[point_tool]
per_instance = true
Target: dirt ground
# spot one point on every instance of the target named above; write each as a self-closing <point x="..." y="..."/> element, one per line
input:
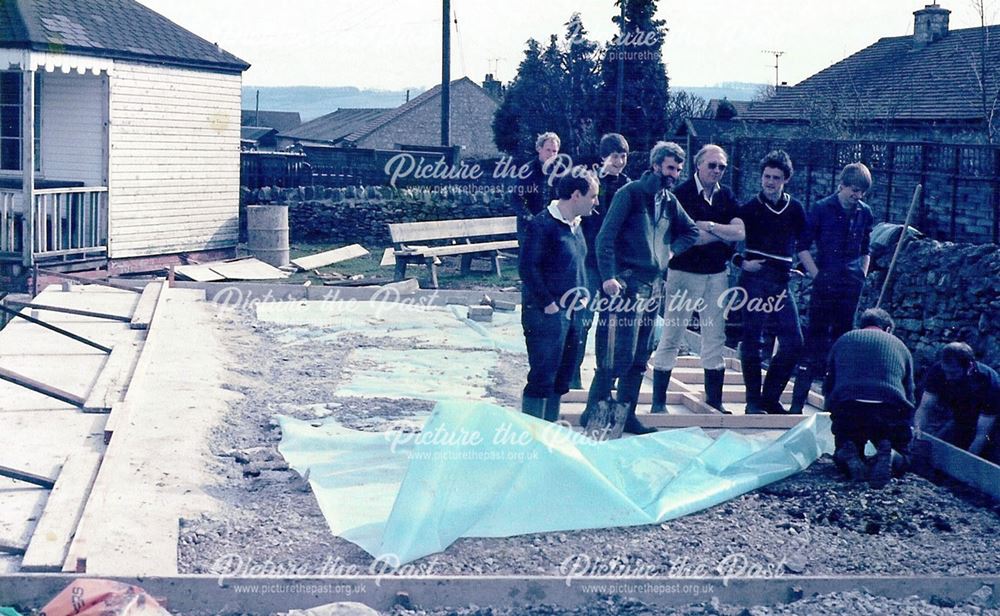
<point x="810" y="524"/>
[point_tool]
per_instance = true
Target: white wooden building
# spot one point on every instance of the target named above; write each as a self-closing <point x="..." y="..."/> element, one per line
<point x="136" y="130"/>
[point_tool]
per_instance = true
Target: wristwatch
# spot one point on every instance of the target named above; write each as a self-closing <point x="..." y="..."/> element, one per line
<point x="711" y="225"/>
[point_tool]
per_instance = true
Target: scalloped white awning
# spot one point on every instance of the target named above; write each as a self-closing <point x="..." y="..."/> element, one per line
<point x="24" y="59"/>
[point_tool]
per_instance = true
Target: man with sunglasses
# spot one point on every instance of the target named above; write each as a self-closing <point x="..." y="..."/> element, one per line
<point x="840" y="226"/>
<point x="697" y="278"/>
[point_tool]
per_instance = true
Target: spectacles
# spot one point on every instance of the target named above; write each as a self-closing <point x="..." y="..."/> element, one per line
<point x="720" y="166"/>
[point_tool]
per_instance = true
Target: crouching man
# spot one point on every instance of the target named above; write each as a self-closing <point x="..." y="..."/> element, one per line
<point x="869" y="394"/>
<point x="552" y="270"/>
<point x="961" y="401"/>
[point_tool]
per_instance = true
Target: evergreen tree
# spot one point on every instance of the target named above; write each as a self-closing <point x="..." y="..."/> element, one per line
<point x="555" y="90"/>
<point x="644" y="96"/>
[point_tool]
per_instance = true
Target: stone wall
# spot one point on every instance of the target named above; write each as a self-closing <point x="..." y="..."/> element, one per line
<point x="944" y="292"/>
<point x="362" y="214"/>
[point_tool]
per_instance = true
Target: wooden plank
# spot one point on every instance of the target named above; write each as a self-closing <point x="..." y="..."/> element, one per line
<point x="247" y="269"/>
<point x="57" y="525"/>
<point x="388" y="257"/>
<point x="329" y="257"/>
<point x="713" y="420"/>
<point x="16" y="550"/>
<point x="42" y="388"/>
<point x="461" y="249"/>
<point x="73" y="311"/>
<point x="198" y="273"/>
<point x="27" y="477"/>
<point x="963" y="466"/>
<point x="117" y="417"/>
<point x="143" y="313"/>
<point x="645" y="397"/>
<point x="113" y="380"/>
<point x="448" y="229"/>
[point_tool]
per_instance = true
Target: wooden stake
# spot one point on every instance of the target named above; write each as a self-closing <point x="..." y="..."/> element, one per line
<point x="37" y="480"/>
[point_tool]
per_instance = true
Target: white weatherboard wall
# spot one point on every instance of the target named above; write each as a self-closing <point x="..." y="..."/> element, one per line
<point x="73" y="127"/>
<point x="175" y="160"/>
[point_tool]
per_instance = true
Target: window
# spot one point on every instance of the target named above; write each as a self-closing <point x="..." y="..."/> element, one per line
<point x="10" y="121"/>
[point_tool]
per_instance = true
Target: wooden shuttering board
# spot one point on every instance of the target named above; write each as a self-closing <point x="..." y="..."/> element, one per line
<point x="143" y="313"/>
<point x="447" y="229"/>
<point x="57" y="525"/>
<point x="461" y="249"/>
<point x="113" y="380"/>
<point x="239" y="269"/>
<point x="963" y="466"/>
<point x="329" y="257"/>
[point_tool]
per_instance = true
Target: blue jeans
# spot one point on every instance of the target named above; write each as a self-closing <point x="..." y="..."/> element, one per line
<point x="552" y="341"/>
<point x="763" y="288"/>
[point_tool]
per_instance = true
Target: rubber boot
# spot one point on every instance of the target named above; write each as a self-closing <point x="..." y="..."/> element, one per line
<point x="752" y="381"/>
<point x="774" y="384"/>
<point x="661" y="380"/>
<point x="714" y="380"/>
<point x="800" y="393"/>
<point x="552" y="404"/>
<point x="628" y="393"/>
<point x="882" y="469"/>
<point x="533" y="406"/>
<point x="849" y="461"/>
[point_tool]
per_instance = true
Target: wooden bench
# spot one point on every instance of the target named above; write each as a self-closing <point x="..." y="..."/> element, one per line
<point x="469" y="238"/>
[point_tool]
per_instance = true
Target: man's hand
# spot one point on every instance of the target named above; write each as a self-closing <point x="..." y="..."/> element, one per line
<point x="551" y="308"/>
<point x="611" y="286"/>
<point x="753" y="265"/>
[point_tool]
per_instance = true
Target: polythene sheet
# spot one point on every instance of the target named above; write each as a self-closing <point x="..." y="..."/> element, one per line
<point x="480" y="470"/>
<point x="418" y="324"/>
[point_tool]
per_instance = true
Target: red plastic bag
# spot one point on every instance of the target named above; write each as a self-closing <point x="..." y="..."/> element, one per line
<point x="96" y="597"/>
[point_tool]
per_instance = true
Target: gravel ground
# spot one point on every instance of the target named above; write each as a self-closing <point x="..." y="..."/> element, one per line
<point x="809" y="524"/>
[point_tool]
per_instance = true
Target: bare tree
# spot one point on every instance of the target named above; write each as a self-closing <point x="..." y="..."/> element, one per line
<point x="987" y="77"/>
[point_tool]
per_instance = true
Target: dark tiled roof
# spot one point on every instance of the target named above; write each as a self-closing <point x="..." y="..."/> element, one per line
<point x="254" y="133"/>
<point x="281" y="120"/>
<point x="740" y="106"/>
<point x="392" y="114"/>
<point x="121" y="29"/>
<point x="892" y="80"/>
<point x="705" y="128"/>
<point x="335" y="126"/>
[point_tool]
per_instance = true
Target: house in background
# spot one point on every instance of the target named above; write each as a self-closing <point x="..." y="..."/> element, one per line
<point x="278" y="120"/>
<point x="132" y="126"/>
<point x="906" y="86"/>
<point x="416" y="123"/>
<point x="330" y="129"/>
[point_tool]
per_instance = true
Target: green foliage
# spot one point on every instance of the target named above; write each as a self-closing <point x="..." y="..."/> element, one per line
<point x="570" y="87"/>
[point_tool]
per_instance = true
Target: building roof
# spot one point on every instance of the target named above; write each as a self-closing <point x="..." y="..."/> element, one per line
<point x="392" y="114"/>
<point x="705" y="128"/>
<point x="281" y="120"/>
<point x="741" y="107"/>
<point x="335" y="126"/>
<point x="120" y="29"/>
<point x="254" y="133"/>
<point x="894" y="80"/>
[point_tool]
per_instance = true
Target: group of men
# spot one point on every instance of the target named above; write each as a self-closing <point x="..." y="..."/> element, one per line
<point x="648" y="247"/>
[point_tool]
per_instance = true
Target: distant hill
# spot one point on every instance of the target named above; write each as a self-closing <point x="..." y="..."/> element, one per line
<point x="312" y="102"/>
<point x="733" y="90"/>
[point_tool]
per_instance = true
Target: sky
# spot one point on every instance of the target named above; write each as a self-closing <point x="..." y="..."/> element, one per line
<point x="395" y="44"/>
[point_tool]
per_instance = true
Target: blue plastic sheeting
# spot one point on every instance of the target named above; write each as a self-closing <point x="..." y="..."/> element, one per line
<point x="426" y="374"/>
<point x="417" y="324"/>
<point x="480" y="470"/>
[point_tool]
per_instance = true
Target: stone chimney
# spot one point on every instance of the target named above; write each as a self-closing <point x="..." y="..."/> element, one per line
<point x="929" y="24"/>
<point x="493" y="87"/>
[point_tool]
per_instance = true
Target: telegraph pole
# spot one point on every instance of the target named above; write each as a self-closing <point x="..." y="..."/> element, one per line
<point x="445" y="73"/>
<point x="621" y="71"/>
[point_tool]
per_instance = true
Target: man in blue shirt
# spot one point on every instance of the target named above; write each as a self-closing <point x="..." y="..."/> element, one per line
<point x="961" y="401"/>
<point x="552" y="274"/>
<point x="840" y="226"/>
